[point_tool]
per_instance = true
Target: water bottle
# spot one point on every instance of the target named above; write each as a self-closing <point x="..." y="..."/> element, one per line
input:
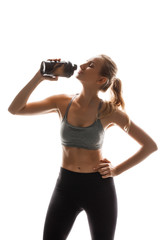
<point x="54" y="67"/>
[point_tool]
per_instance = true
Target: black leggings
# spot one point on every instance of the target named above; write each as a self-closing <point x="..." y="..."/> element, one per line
<point x="75" y="192"/>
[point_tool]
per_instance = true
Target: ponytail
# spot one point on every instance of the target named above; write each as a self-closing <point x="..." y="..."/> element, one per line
<point x="116" y="99"/>
<point x="116" y="92"/>
<point x="109" y="70"/>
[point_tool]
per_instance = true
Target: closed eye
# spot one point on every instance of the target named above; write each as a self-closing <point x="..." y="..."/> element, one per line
<point x="91" y="65"/>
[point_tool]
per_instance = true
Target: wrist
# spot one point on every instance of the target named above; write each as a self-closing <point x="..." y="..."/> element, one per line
<point x="117" y="171"/>
<point x="38" y="76"/>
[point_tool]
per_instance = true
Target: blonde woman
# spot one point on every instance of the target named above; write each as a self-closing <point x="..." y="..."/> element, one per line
<point x="86" y="178"/>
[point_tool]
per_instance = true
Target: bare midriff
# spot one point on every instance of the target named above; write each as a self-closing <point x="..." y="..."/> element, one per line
<point x="80" y="159"/>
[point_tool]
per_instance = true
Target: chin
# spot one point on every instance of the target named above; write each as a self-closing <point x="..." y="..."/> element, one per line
<point x="77" y="76"/>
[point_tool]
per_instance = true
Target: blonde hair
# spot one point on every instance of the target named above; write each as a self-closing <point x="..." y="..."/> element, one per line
<point x="109" y="70"/>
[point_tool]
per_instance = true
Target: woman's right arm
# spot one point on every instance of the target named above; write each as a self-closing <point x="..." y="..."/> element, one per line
<point x="19" y="106"/>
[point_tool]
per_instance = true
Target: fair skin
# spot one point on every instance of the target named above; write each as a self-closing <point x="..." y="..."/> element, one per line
<point x="82" y="113"/>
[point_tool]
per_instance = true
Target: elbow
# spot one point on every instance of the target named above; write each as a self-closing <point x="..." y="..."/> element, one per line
<point x="11" y="111"/>
<point x="152" y="147"/>
<point x="155" y="147"/>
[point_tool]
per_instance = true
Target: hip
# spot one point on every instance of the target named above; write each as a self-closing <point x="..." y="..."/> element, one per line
<point x="76" y="181"/>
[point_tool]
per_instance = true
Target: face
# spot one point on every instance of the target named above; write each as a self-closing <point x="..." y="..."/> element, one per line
<point x="89" y="72"/>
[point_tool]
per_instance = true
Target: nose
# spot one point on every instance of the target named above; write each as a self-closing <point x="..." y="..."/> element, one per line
<point x="82" y="66"/>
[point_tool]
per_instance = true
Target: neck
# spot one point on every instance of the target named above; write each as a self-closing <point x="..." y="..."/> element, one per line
<point x="87" y="97"/>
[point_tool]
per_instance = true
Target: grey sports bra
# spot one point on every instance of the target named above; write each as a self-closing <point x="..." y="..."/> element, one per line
<point x="90" y="137"/>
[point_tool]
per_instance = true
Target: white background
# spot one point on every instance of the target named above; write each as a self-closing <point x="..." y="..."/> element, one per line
<point x="32" y="31"/>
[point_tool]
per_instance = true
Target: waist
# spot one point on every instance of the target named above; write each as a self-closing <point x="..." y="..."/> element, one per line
<point x="80" y="159"/>
<point x="73" y="181"/>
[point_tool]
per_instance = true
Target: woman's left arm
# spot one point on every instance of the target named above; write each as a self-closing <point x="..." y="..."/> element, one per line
<point x="148" y="146"/>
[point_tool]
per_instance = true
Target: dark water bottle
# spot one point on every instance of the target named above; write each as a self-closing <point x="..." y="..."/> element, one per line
<point x="56" y="67"/>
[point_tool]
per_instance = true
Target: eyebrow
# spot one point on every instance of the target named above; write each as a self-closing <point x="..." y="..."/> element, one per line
<point x="90" y="61"/>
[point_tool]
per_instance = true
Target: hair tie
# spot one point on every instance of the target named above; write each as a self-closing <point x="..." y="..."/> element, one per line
<point x="116" y="82"/>
<point x="115" y="79"/>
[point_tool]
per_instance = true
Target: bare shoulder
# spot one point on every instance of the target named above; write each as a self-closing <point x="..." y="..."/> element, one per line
<point x="61" y="99"/>
<point x="122" y="119"/>
<point x="137" y="133"/>
<point x="119" y="118"/>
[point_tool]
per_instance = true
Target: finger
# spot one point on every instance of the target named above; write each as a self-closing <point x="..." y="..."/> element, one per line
<point x="106" y="176"/>
<point x="55" y="77"/>
<point x="101" y="165"/>
<point x="54" y="59"/>
<point x="104" y="169"/>
<point x="98" y="167"/>
<point x="104" y="160"/>
<point x="104" y="173"/>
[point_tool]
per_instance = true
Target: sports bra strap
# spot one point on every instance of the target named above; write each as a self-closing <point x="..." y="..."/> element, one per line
<point x="99" y="107"/>
<point x="70" y="104"/>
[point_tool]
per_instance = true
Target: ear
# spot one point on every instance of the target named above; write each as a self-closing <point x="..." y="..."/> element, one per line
<point x="102" y="80"/>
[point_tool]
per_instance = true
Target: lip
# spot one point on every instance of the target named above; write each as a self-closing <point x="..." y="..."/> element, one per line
<point x="80" y="72"/>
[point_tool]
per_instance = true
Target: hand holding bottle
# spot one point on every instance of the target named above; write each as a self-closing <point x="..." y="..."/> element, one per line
<point x="56" y="67"/>
<point x="50" y="78"/>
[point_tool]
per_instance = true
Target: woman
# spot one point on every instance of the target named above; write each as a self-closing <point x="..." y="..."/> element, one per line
<point x="85" y="180"/>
